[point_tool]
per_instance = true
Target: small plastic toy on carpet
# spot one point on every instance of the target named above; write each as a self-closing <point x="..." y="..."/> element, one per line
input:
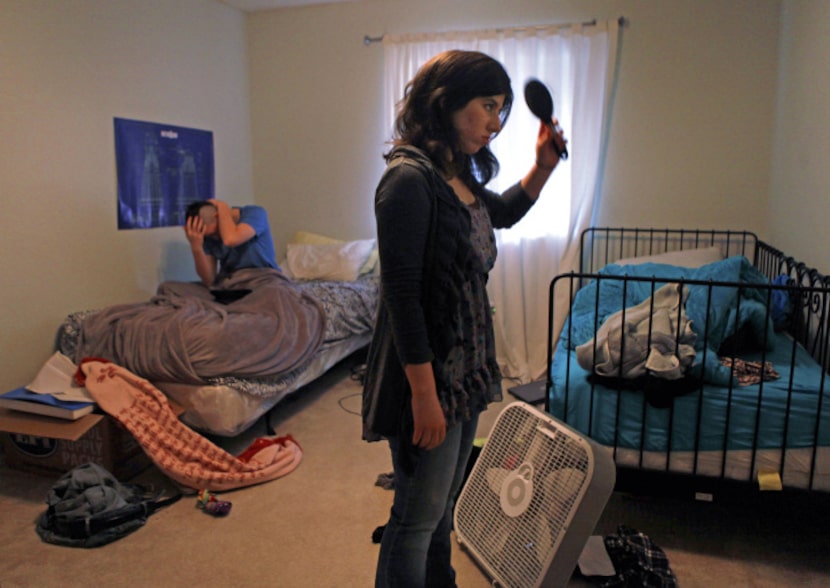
<point x="209" y="503"/>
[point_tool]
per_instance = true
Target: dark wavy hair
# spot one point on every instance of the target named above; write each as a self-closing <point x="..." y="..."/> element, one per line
<point x="442" y="86"/>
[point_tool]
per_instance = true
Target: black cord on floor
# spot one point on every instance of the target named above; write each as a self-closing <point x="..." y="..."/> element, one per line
<point x="358" y="374"/>
<point x="340" y="402"/>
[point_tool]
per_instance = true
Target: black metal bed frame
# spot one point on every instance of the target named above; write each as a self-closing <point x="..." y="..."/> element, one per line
<point x="807" y="289"/>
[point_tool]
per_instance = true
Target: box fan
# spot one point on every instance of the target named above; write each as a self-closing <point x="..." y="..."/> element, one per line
<point x="532" y="499"/>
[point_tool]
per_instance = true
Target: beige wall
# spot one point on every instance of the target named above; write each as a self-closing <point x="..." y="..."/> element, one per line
<point x="66" y="69"/>
<point x="293" y="98"/>
<point x="799" y="211"/>
<point x="690" y="143"/>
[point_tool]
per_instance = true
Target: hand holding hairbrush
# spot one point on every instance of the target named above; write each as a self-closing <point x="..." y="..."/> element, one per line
<point x="540" y="102"/>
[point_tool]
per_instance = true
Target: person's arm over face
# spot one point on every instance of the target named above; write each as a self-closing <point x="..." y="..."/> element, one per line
<point x="231" y="233"/>
<point x="194" y="230"/>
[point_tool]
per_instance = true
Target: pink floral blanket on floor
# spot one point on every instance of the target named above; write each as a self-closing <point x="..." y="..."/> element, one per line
<point x="182" y="454"/>
<point x="183" y="335"/>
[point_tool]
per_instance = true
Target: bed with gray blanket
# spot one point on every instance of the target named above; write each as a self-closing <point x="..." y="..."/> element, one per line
<point x="228" y="360"/>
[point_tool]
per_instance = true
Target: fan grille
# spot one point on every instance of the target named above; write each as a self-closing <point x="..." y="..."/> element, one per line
<point x="517" y="549"/>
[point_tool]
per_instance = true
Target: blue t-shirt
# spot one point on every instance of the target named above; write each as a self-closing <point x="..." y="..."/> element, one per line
<point x="256" y="252"/>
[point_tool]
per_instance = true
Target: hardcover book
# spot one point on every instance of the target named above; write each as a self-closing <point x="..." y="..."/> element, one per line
<point x="24" y="400"/>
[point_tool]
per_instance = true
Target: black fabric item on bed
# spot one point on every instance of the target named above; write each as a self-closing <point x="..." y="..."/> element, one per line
<point x="532" y="393"/>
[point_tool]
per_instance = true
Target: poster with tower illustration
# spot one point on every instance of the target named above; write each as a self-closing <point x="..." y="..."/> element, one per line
<point x="161" y="169"/>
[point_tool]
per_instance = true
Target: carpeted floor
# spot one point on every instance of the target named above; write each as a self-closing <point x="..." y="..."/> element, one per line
<point x="312" y="528"/>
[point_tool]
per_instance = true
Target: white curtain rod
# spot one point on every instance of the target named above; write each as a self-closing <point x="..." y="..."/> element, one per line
<point x="367" y="40"/>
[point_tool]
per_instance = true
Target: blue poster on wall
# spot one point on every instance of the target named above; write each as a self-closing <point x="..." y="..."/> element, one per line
<point x="161" y="169"/>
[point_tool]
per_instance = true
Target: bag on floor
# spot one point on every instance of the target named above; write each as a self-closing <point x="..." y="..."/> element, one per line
<point x="638" y="561"/>
<point x="89" y="507"/>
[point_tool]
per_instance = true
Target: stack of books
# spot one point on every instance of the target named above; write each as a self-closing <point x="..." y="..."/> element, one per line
<point x="52" y="392"/>
<point x="25" y="400"/>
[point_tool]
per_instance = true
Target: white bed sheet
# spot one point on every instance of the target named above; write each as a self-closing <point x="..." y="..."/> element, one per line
<point x="796" y="473"/>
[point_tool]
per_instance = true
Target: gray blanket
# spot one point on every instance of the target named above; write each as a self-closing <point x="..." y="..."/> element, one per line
<point x="183" y="335"/>
<point x="657" y="338"/>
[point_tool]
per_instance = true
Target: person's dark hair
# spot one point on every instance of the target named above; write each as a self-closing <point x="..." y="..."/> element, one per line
<point x="194" y="207"/>
<point x="442" y="86"/>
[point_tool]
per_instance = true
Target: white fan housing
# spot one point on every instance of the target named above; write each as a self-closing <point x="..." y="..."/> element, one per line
<point x="533" y="499"/>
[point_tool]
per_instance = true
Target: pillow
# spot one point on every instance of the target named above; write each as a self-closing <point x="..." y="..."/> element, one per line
<point x="691" y="258"/>
<point x="333" y="261"/>
<point x="307" y="238"/>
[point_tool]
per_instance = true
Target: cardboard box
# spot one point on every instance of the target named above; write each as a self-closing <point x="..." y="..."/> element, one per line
<point x="53" y="446"/>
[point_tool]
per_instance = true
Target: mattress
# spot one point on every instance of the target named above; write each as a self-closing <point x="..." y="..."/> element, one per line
<point x="734" y="420"/>
<point x="226" y="410"/>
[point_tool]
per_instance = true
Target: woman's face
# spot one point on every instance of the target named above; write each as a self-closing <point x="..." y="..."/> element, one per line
<point x="477" y="122"/>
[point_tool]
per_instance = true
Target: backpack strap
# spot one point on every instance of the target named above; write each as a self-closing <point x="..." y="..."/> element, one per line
<point x="83" y="528"/>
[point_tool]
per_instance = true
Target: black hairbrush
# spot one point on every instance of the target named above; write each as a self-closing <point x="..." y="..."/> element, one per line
<point x="540" y="102"/>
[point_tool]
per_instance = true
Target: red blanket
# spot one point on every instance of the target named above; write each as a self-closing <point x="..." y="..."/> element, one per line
<point x="179" y="452"/>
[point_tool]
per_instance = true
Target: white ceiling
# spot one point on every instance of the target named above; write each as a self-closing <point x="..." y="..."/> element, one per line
<point x="255" y="5"/>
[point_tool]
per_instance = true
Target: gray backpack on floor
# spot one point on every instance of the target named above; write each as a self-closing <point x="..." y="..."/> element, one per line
<point x="89" y="507"/>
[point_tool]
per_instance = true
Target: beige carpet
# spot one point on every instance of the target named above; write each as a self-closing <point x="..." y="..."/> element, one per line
<point x="313" y="527"/>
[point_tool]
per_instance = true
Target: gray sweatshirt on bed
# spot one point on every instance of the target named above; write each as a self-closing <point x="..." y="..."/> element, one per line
<point x="648" y="342"/>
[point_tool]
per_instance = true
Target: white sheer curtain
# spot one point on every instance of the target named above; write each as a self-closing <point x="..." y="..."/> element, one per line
<point x="577" y="62"/>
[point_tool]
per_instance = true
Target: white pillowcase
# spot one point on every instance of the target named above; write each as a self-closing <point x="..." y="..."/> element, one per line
<point x="332" y="261"/>
<point x="309" y="238"/>
<point x="691" y="258"/>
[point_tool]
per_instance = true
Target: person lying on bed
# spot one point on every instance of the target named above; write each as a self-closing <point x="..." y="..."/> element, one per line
<point x="224" y="239"/>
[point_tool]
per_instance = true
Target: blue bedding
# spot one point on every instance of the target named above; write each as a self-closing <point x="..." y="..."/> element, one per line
<point x="595" y="409"/>
<point x="598" y="417"/>
<point x="716" y="316"/>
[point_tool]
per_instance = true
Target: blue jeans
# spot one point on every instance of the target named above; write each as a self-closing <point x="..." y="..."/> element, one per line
<point x="415" y="549"/>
